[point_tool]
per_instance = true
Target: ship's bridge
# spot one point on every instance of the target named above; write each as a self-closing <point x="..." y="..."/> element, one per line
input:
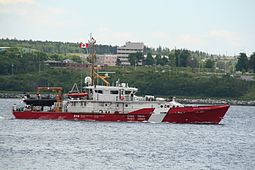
<point x="111" y="93"/>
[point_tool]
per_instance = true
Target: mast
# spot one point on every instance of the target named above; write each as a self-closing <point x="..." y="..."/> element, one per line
<point x="92" y="43"/>
<point x="94" y="74"/>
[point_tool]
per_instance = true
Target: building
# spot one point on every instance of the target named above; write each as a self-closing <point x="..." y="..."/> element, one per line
<point x="66" y="64"/>
<point x="106" y="59"/>
<point x="128" y="48"/>
<point x="3" y="48"/>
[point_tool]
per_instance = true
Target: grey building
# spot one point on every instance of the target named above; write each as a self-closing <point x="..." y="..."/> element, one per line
<point x="106" y="59"/>
<point x="128" y="48"/>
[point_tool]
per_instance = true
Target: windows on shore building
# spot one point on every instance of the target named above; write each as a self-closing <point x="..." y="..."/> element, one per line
<point x="128" y="48"/>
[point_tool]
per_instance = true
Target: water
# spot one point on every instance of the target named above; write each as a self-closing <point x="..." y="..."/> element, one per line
<point x="53" y="144"/>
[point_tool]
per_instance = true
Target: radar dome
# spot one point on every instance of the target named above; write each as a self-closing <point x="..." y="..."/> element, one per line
<point x="88" y="80"/>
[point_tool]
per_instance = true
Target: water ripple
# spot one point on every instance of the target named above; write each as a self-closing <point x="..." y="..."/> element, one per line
<point x="48" y="144"/>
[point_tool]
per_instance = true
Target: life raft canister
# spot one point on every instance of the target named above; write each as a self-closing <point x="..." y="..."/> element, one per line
<point x="122" y="98"/>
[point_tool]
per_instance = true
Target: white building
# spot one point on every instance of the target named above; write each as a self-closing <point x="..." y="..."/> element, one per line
<point x="128" y="48"/>
<point x="3" y="48"/>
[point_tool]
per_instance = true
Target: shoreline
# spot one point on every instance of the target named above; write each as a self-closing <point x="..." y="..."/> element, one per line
<point x="10" y="95"/>
<point x="217" y="101"/>
<point x="183" y="101"/>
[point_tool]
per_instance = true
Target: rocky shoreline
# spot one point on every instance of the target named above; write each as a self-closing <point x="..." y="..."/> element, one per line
<point x="184" y="101"/>
<point x="11" y="95"/>
<point x="217" y="101"/>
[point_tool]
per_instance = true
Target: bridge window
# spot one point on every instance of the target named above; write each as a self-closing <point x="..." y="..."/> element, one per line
<point x="99" y="91"/>
<point x="128" y="92"/>
<point x="114" y="92"/>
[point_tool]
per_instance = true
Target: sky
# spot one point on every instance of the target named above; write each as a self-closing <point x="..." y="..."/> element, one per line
<point x="225" y="27"/>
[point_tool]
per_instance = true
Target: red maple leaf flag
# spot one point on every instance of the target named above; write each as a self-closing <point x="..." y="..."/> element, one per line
<point x="86" y="45"/>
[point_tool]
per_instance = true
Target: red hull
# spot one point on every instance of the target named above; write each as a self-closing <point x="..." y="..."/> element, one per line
<point x="199" y="114"/>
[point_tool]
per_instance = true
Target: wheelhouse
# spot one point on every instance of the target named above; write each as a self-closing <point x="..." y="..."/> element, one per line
<point x="110" y="93"/>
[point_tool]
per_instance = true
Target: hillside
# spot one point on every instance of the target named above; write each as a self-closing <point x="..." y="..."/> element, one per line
<point x="55" y="47"/>
<point x="22" y="69"/>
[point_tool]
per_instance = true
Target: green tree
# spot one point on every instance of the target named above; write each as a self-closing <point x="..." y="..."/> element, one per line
<point x="134" y="58"/>
<point x="182" y="57"/>
<point x="14" y="61"/>
<point x="149" y="60"/>
<point x="209" y="63"/>
<point x="165" y="60"/>
<point x="75" y="58"/>
<point x="192" y="62"/>
<point x="159" y="49"/>
<point x="158" y="60"/>
<point x="252" y="62"/>
<point x="171" y="58"/>
<point x="118" y="62"/>
<point x="242" y="63"/>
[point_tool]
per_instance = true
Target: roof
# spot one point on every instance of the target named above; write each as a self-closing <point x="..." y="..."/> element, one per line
<point x="99" y="87"/>
<point x="132" y="45"/>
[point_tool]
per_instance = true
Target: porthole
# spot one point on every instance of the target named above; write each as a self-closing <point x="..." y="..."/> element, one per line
<point x="126" y="105"/>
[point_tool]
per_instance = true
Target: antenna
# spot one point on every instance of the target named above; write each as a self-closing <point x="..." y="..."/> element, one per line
<point x="94" y="74"/>
<point x="92" y="43"/>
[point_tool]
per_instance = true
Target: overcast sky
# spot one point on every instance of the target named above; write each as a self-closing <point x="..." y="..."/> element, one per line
<point x="213" y="26"/>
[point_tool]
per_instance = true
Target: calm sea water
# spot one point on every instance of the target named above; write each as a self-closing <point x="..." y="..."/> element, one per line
<point x="60" y="144"/>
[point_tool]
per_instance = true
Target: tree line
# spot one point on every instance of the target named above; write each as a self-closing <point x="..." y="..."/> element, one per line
<point x="55" y="47"/>
<point x="244" y="64"/>
<point x="18" y="60"/>
<point x="186" y="58"/>
<point x="176" y="58"/>
<point x="165" y="82"/>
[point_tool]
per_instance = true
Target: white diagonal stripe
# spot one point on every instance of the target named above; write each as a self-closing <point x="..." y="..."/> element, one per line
<point x="158" y="115"/>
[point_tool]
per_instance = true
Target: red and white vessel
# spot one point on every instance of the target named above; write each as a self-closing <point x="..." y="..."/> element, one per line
<point x="117" y="103"/>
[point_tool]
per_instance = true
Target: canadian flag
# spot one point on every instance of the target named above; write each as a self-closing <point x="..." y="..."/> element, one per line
<point x="86" y="45"/>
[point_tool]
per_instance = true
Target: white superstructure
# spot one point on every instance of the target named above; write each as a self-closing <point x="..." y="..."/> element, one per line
<point x="115" y="99"/>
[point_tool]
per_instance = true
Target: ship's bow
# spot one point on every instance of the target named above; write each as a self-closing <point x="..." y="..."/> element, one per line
<point x="197" y="114"/>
